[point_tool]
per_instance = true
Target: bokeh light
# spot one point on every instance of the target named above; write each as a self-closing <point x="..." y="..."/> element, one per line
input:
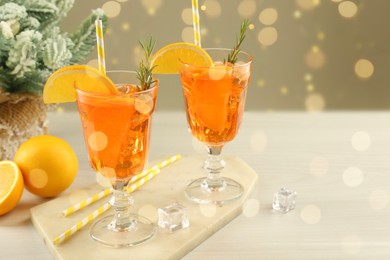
<point x="103" y="181"/>
<point x="187" y="34"/>
<point x="198" y="146"/>
<point x="364" y="68"/>
<point x="284" y="90"/>
<point x="212" y="8"/>
<point x="93" y="63"/>
<point x="261" y="83"/>
<point x="307" y="4"/>
<point x="114" y="61"/>
<point x="379" y="199"/>
<point x="348" y="9"/>
<point x="259" y="141"/>
<point x="319" y="166"/>
<point x="353" y="177"/>
<point x="297" y="14"/>
<point x="315" y="102"/>
<point x="111" y="9"/>
<point x="361" y="141"/>
<point x="38" y="178"/>
<point x="125" y="26"/>
<point x="267" y="36"/>
<point x="149" y="211"/>
<point x="311" y="214"/>
<point x="77" y="196"/>
<point x="97" y="141"/>
<point x="268" y="16"/>
<point x="308" y="77"/>
<point x="250" y="208"/>
<point x="310" y="88"/>
<point x="151" y="5"/>
<point x="246" y="8"/>
<point x="137" y="54"/>
<point x="320" y="36"/>
<point x="315" y="58"/>
<point x="208" y="210"/>
<point x="186" y="16"/>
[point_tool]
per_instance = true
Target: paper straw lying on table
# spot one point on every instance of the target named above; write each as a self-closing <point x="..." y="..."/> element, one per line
<point x="195" y="21"/>
<point x="88" y="219"/>
<point x="108" y="191"/>
<point x="100" y="46"/>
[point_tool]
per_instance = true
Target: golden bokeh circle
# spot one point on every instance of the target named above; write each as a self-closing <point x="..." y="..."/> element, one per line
<point x="111" y="9"/>
<point x="186" y="16"/>
<point x="212" y="8"/>
<point x="246" y="8"/>
<point x="348" y="9"/>
<point x="267" y="36"/>
<point x="307" y="5"/>
<point x="364" y="68"/>
<point x="268" y="16"/>
<point x="315" y="102"/>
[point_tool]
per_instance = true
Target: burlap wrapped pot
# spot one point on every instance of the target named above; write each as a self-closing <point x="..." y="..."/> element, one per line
<point x="22" y="116"/>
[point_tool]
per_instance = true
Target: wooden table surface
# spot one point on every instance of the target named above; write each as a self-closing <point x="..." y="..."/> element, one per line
<point x="337" y="162"/>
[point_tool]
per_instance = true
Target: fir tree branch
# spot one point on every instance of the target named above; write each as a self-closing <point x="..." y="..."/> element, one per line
<point x="84" y="38"/>
<point x="22" y="56"/>
<point x="55" y="53"/>
<point x="31" y="82"/>
<point x="12" y="11"/>
<point x="32" y="45"/>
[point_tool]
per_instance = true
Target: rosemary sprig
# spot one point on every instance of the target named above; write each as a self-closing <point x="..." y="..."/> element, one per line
<point x="232" y="57"/>
<point x="145" y="70"/>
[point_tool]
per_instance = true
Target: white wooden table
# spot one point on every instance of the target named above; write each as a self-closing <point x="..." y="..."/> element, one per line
<point x="338" y="162"/>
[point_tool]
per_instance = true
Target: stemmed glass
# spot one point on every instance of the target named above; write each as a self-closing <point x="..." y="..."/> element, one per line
<point x="116" y="131"/>
<point x="214" y="99"/>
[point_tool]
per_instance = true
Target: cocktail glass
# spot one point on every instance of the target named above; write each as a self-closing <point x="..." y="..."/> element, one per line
<point x="116" y="131"/>
<point x="214" y="99"/>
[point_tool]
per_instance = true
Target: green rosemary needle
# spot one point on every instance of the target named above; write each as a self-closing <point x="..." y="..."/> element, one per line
<point x="232" y="57"/>
<point x="145" y="69"/>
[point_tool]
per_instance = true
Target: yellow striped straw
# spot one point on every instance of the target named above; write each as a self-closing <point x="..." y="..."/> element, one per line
<point x="108" y="191"/>
<point x="100" y="46"/>
<point x="88" y="219"/>
<point x="79" y="225"/>
<point x="195" y="22"/>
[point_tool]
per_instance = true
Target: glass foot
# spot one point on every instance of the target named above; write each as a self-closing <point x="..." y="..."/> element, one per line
<point x="201" y="191"/>
<point x="137" y="231"/>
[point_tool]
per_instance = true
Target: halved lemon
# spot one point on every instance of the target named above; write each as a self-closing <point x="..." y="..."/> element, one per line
<point x="61" y="85"/>
<point x="11" y="186"/>
<point x="167" y="59"/>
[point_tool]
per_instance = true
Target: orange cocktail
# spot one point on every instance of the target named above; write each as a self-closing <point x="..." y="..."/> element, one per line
<point x="214" y="99"/>
<point x="116" y="130"/>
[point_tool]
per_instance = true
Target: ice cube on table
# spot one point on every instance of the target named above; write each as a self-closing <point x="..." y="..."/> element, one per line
<point x="284" y="200"/>
<point x="173" y="217"/>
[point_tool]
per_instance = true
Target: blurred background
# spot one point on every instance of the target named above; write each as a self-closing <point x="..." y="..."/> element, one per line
<point x="309" y="55"/>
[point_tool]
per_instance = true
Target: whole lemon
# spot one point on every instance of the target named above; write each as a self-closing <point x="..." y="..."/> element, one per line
<point x="48" y="165"/>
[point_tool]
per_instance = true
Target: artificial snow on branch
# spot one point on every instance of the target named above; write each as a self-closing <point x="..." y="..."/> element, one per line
<point x="32" y="45"/>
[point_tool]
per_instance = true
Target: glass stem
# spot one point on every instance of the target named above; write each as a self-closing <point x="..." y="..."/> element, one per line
<point x="121" y="202"/>
<point x="214" y="165"/>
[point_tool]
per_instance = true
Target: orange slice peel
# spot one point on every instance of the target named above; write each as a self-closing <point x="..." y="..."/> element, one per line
<point x="168" y="59"/>
<point x="62" y="84"/>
